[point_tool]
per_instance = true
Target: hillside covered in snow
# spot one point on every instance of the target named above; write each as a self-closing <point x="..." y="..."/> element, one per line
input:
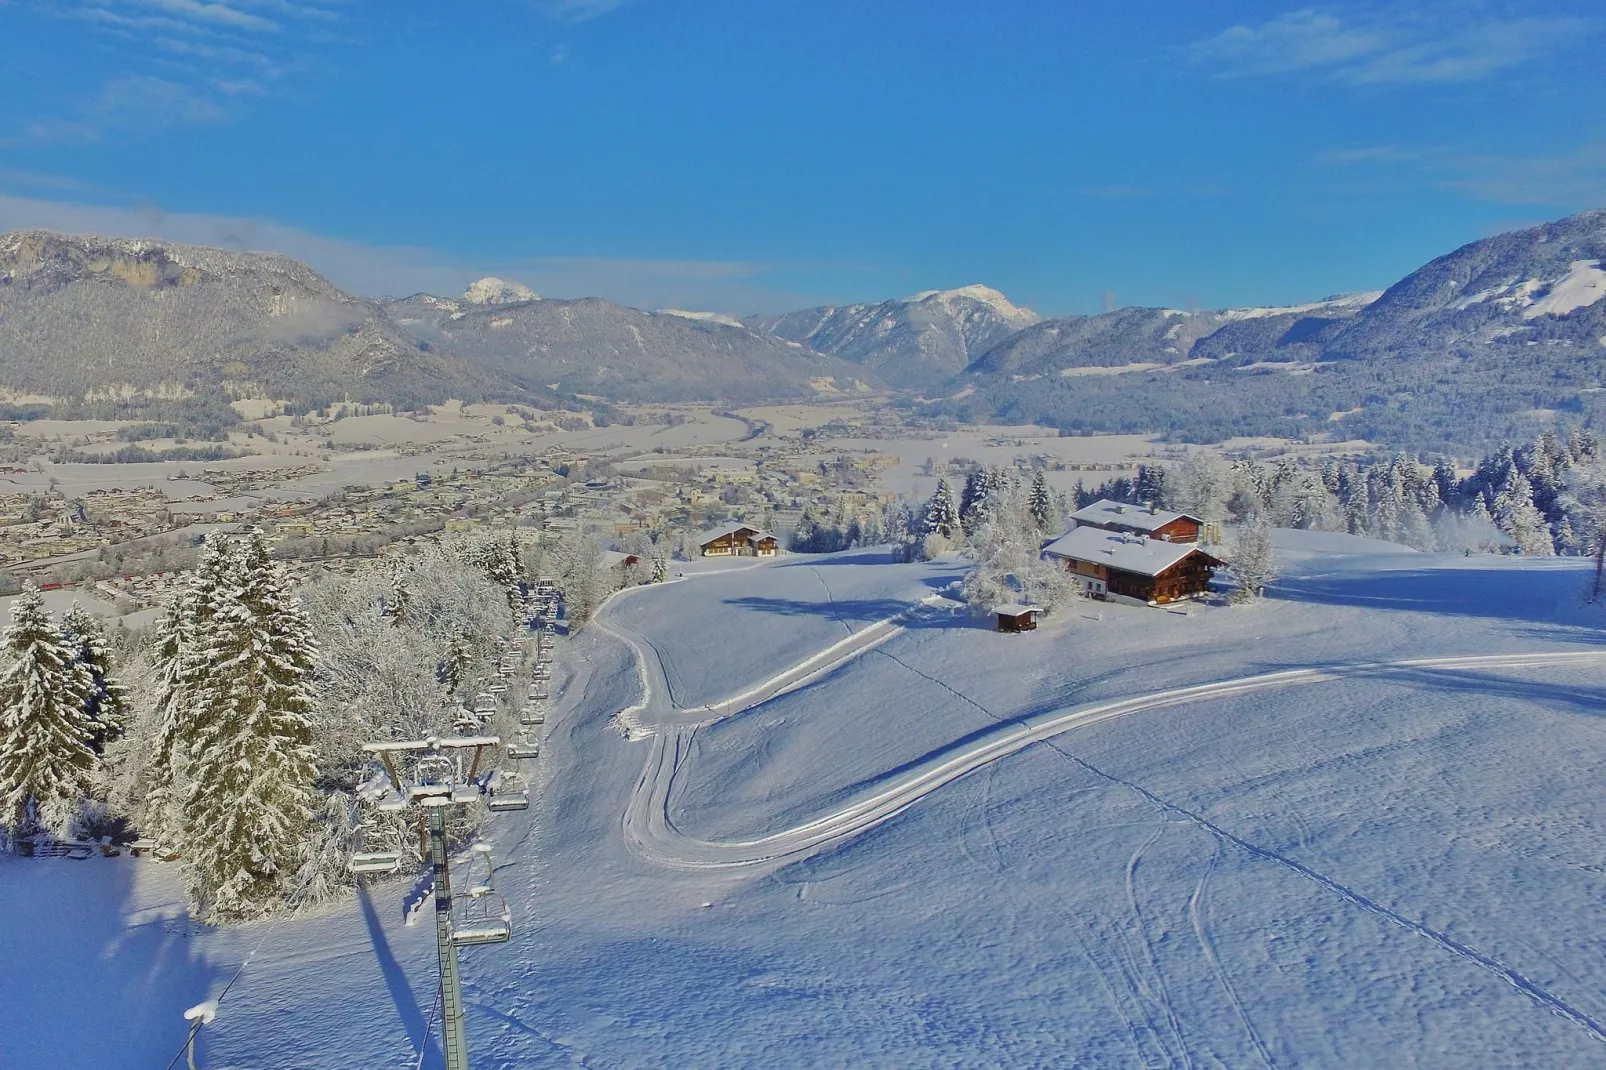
<point x="807" y="812"/>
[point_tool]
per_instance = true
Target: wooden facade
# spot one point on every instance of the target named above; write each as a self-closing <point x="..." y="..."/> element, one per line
<point x="740" y="542"/>
<point x="1016" y="618"/>
<point x="1187" y="578"/>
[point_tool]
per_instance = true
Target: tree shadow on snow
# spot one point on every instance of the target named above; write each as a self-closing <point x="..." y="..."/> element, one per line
<point x="92" y="976"/>
<point x="858" y="609"/>
<point x="1543" y="597"/>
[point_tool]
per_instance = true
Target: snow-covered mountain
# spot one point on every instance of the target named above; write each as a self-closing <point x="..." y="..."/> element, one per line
<point x="87" y="315"/>
<point x="913" y="342"/>
<point x="595" y="347"/>
<point x="493" y="291"/>
<point x="1543" y="286"/>
<point x="1481" y="345"/>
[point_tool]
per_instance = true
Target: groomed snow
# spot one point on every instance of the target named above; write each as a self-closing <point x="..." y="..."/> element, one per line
<point x="1346" y="861"/>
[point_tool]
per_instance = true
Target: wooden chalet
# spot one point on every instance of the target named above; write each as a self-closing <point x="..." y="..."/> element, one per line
<point x="738" y="540"/>
<point x="1136" y="569"/>
<point x="1139" y="520"/>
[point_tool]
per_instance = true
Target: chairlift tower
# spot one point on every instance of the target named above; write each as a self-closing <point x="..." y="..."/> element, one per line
<point x="440" y="782"/>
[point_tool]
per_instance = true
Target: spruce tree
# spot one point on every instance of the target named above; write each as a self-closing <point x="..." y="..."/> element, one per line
<point x="1041" y="504"/>
<point x="106" y="706"/>
<point x="396" y="606"/>
<point x="941" y="515"/>
<point x="160" y="816"/>
<point x="248" y="808"/>
<point x="46" y="755"/>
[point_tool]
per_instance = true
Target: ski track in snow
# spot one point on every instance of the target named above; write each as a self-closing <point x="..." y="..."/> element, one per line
<point x="1197" y="906"/>
<point x="650" y="831"/>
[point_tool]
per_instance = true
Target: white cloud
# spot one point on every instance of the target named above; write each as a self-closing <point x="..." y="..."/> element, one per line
<point x="578" y="10"/>
<point x="1434" y="45"/>
<point x="176" y="62"/>
<point x="1569" y="181"/>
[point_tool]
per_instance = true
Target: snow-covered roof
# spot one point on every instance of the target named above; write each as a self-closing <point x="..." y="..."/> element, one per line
<point x="709" y="535"/>
<point x="1014" y="609"/>
<point x="1128" y="553"/>
<point x="614" y="558"/>
<point x="1145" y="517"/>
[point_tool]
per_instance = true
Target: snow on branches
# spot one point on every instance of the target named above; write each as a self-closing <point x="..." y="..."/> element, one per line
<point x="47" y="734"/>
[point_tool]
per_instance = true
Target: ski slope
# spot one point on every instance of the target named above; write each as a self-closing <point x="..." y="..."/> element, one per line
<point x="1359" y="824"/>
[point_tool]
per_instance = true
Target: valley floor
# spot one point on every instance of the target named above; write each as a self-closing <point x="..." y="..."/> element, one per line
<point x="807" y="813"/>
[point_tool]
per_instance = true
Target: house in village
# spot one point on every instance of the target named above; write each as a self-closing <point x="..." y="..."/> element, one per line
<point x="1134" y="554"/>
<point x="738" y="540"/>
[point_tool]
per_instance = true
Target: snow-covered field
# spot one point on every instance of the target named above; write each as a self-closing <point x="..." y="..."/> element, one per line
<point x="1234" y="837"/>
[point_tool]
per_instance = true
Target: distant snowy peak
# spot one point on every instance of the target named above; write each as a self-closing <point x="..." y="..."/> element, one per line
<point x="494" y="291"/>
<point x="704" y="317"/>
<point x="912" y="342"/>
<point x="1003" y="307"/>
<point x="1340" y="303"/>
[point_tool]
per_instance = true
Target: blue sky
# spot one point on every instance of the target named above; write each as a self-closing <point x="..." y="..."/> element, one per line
<point x="748" y="155"/>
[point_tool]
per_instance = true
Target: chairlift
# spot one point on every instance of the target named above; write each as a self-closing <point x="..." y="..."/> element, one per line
<point x="532" y="717"/>
<point x="433" y="776"/>
<point x="508" y="793"/>
<point x="480" y="919"/>
<point x="497" y="689"/>
<point x="523" y="749"/>
<point x="375" y="862"/>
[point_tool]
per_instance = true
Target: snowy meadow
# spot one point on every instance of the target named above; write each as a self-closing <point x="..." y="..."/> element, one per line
<point x="941" y="845"/>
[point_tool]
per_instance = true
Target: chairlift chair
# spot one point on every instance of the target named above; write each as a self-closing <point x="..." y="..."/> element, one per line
<point x="375" y="862"/>
<point x="530" y="718"/>
<point x="433" y="776"/>
<point x="509" y="793"/>
<point x="480" y="919"/>
<point x="523" y="749"/>
<point x="497" y="689"/>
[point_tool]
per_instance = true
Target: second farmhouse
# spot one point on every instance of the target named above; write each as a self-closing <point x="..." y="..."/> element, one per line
<point x="1130" y="553"/>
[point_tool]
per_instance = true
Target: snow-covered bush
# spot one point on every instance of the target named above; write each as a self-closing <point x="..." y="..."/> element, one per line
<point x="1253" y="563"/>
<point x="1009" y="566"/>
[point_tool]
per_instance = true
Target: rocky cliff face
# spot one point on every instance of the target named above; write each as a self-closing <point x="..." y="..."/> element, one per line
<point x="84" y="316"/>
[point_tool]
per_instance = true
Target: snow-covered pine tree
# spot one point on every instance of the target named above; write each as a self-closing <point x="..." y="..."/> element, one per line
<point x="396" y="603"/>
<point x="46" y="758"/>
<point x="248" y="808"/>
<point x="1254" y="561"/>
<point x="941" y="516"/>
<point x="458" y="663"/>
<point x="970" y="496"/>
<point x="1040" y="503"/>
<point x="160" y="817"/>
<point x="107" y="703"/>
<point x="1516" y="516"/>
